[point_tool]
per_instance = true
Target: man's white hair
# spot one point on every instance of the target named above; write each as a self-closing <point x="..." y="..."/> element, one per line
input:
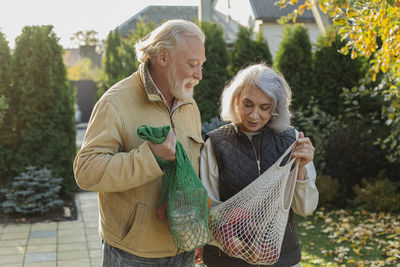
<point x="165" y="37"/>
<point x="272" y="83"/>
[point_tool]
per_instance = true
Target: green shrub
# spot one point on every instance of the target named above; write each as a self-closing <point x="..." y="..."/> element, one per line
<point x="333" y="72"/>
<point x="119" y="59"/>
<point x="351" y="156"/>
<point x="318" y="125"/>
<point x="34" y="191"/>
<point x="119" y="56"/>
<point x="45" y="131"/>
<point x="215" y="73"/>
<point x="379" y="195"/>
<point x="328" y="189"/>
<point x="7" y="116"/>
<point x="248" y="50"/>
<point x="294" y="60"/>
<point x="210" y="125"/>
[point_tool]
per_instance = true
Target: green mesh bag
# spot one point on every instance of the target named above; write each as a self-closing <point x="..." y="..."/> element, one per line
<point x="183" y="205"/>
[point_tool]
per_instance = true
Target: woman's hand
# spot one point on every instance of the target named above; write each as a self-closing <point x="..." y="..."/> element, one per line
<point x="198" y="253"/>
<point x="304" y="151"/>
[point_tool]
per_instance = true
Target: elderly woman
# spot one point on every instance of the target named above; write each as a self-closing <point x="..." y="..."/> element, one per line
<point x="256" y="102"/>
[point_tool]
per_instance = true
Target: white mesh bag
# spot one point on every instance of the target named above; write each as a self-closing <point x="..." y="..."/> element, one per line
<point x="251" y="224"/>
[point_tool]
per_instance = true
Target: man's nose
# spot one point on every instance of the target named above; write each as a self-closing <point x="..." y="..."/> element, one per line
<point x="198" y="74"/>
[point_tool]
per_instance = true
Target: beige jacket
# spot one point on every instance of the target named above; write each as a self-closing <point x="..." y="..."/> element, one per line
<point x="120" y="166"/>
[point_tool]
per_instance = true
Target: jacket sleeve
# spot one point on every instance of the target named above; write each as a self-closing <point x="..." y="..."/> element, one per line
<point x="101" y="165"/>
<point x="209" y="174"/>
<point x="305" y="199"/>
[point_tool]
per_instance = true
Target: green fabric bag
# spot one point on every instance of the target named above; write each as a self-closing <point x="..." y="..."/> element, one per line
<point x="183" y="205"/>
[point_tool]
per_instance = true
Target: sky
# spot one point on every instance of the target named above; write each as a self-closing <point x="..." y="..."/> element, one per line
<point x="71" y="16"/>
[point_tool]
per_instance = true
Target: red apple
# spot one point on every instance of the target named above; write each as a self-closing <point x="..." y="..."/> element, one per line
<point x="234" y="246"/>
<point x="224" y="231"/>
<point x="263" y="253"/>
<point x="248" y="231"/>
<point x="237" y="214"/>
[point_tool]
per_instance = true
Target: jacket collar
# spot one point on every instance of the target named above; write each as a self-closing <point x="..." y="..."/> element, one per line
<point x="151" y="89"/>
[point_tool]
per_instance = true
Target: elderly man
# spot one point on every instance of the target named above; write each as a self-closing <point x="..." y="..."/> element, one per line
<point x="121" y="167"/>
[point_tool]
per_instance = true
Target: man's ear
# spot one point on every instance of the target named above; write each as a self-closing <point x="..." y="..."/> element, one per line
<point x="163" y="57"/>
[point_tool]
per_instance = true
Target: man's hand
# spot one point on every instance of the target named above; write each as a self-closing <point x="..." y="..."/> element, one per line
<point x="165" y="150"/>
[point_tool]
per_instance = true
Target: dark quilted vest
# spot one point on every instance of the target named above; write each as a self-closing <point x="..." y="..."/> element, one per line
<point x="237" y="158"/>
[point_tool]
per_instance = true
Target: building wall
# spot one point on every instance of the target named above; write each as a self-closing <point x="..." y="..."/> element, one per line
<point x="86" y="91"/>
<point x="241" y="11"/>
<point x="273" y="33"/>
<point x="238" y="10"/>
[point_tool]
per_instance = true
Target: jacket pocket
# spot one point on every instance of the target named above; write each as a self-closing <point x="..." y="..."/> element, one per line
<point x="137" y="224"/>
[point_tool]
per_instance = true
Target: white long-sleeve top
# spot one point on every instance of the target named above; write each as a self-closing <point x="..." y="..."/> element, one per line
<point x="305" y="197"/>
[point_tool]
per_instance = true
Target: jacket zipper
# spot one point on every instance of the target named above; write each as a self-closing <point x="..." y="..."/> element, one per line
<point x="171" y="112"/>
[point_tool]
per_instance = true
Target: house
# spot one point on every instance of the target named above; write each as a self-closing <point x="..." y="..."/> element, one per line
<point x="158" y="14"/>
<point x="257" y="14"/>
<point x="263" y="15"/>
<point x="72" y="56"/>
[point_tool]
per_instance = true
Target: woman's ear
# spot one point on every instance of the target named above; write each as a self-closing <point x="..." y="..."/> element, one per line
<point x="236" y="104"/>
<point x="236" y="100"/>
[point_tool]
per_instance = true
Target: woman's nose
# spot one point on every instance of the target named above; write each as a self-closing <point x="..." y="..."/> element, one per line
<point x="254" y="114"/>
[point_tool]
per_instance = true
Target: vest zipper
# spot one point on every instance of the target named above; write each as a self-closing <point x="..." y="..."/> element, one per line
<point x="291" y="233"/>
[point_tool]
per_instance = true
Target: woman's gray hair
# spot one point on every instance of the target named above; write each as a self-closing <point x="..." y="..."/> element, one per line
<point x="271" y="82"/>
<point x="165" y="37"/>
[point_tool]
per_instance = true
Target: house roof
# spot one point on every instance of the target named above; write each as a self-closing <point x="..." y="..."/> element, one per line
<point x="158" y="14"/>
<point x="267" y="11"/>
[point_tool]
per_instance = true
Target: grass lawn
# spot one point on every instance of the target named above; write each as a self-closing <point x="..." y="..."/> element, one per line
<point x="349" y="238"/>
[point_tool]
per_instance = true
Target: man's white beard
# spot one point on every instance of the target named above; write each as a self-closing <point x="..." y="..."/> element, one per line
<point x="177" y="88"/>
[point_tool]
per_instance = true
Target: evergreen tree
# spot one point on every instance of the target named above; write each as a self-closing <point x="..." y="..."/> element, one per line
<point x="45" y="105"/>
<point x="247" y="50"/>
<point x="215" y="73"/>
<point x="7" y="118"/>
<point x="119" y="60"/>
<point x="142" y="29"/>
<point x="112" y="61"/>
<point x="294" y="61"/>
<point x="334" y="72"/>
<point x="262" y="48"/>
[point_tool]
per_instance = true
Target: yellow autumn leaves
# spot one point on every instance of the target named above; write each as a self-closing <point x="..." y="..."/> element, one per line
<point x="348" y="238"/>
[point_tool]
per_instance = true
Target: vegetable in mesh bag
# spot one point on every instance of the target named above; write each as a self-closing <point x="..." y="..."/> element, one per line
<point x="183" y="204"/>
<point x="251" y="224"/>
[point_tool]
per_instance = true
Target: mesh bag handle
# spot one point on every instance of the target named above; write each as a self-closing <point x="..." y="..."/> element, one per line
<point x="251" y="224"/>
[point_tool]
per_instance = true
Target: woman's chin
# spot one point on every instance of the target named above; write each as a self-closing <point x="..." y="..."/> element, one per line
<point x="252" y="127"/>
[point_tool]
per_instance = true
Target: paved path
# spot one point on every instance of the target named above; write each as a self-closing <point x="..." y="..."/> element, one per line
<point x="59" y="244"/>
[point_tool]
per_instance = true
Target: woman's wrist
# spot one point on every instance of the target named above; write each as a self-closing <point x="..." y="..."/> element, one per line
<point x="302" y="174"/>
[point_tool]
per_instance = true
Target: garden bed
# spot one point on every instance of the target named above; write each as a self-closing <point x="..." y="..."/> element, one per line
<point x="67" y="212"/>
